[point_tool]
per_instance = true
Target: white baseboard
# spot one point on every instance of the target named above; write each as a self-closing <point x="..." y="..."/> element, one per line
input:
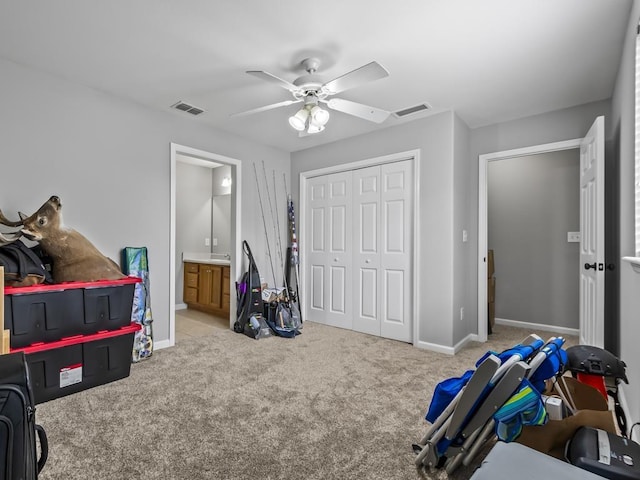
<point x="181" y="306"/>
<point x="469" y="338"/>
<point x="434" y="347"/>
<point x="538" y="326"/>
<point x="162" y="344"/>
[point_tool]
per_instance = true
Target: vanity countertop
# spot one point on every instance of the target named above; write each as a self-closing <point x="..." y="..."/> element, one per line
<point x="210" y="258"/>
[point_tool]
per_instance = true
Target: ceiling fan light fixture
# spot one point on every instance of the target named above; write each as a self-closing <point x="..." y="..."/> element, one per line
<point x="319" y="116"/>
<point x="314" y="127"/>
<point x="299" y="120"/>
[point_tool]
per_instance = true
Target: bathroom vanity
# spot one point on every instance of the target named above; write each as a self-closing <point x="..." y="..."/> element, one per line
<point x="207" y="283"/>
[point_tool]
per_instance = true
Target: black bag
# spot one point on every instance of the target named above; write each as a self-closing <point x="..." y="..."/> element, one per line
<point x="595" y="361"/>
<point x="18" y="429"/>
<point x="22" y="266"/>
<point x="283" y="318"/>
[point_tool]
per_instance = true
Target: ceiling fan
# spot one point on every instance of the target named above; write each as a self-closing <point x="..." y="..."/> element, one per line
<point x="310" y="90"/>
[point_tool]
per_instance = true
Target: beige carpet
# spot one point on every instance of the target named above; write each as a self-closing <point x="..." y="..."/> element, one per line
<point x="329" y="404"/>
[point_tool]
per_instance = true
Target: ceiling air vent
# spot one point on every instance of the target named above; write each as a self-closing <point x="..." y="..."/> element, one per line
<point x="185" y="107"/>
<point x="412" y="110"/>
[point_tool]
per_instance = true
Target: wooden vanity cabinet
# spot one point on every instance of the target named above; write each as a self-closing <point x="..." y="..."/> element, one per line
<point x="206" y="287"/>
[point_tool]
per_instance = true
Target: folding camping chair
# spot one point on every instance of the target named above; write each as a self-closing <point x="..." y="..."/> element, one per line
<point x="461" y="427"/>
<point x="475" y="387"/>
<point x="548" y="357"/>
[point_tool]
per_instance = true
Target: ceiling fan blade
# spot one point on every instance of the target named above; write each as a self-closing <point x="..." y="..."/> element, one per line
<point x="372" y="114"/>
<point x="273" y="79"/>
<point x="367" y="73"/>
<point x="266" y="107"/>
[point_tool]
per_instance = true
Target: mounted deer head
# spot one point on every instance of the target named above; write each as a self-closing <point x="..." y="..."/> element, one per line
<point x="74" y="257"/>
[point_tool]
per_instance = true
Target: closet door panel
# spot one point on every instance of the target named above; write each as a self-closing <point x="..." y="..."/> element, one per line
<point x="338" y="260"/>
<point x="396" y="264"/>
<point x="329" y="255"/>
<point x="316" y="239"/>
<point x="366" y="251"/>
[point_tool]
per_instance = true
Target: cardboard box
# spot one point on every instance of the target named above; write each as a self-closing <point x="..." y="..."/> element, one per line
<point x="492" y="314"/>
<point x="2" y="290"/>
<point x="46" y="313"/>
<point x="591" y="410"/>
<point x="552" y="437"/>
<point x="490" y="267"/>
<point x="491" y="287"/>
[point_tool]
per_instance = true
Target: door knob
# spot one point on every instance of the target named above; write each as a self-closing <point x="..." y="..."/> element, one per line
<point x="587" y="266"/>
<point x="367" y="261"/>
<point x="335" y="259"/>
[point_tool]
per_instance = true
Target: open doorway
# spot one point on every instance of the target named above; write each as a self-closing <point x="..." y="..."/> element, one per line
<point x="593" y="256"/>
<point x="533" y="230"/>
<point x="483" y="225"/>
<point x="213" y="198"/>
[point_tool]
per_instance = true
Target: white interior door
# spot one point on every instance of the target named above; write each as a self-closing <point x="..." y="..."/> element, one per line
<point x="382" y="232"/>
<point x="329" y="256"/>
<point x="396" y="261"/>
<point x="592" y="236"/>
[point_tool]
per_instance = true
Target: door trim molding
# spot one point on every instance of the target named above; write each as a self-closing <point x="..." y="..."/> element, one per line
<point x="236" y="223"/>
<point x="483" y="161"/>
<point x="414" y="156"/>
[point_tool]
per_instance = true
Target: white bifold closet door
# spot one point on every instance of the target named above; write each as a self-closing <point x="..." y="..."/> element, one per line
<point x="329" y="253"/>
<point x="360" y="256"/>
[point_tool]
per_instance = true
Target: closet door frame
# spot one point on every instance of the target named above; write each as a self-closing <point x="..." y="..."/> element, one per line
<point x="414" y="156"/>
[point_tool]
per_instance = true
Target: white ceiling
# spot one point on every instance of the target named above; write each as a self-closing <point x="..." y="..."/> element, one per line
<point x="489" y="60"/>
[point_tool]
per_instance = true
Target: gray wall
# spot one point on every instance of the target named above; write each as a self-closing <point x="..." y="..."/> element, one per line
<point x="533" y="201"/>
<point x="193" y="215"/>
<point x="109" y="161"/>
<point x="433" y="136"/>
<point x="465" y="207"/>
<point x="623" y="126"/>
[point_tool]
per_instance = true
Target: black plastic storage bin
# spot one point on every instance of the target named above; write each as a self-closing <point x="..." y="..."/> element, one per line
<point x="78" y="363"/>
<point x="47" y="313"/>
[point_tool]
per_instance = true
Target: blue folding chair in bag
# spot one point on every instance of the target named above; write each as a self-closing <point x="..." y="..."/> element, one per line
<point x="457" y="401"/>
<point x="522" y="406"/>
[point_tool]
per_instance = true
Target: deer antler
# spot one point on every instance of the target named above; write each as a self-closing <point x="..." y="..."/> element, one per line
<point x="5" y="221"/>
<point x="9" y="238"/>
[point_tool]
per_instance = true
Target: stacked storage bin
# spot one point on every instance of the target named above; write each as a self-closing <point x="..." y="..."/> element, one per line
<point x="76" y="335"/>
<point x="491" y="294"/>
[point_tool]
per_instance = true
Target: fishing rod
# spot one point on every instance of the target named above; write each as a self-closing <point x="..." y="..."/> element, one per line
<point x="264" y="223"/>
<point x="282" y="261"/>
<point x="294" y="242"/>
<point x="273" y="218"/>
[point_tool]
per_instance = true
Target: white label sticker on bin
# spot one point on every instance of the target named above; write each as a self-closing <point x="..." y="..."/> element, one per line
<point x="70" y="375"/>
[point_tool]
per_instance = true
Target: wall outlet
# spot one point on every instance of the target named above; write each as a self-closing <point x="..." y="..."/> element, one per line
<point x="206" y="241"/>
<point x="465" y="236"/>
<point x="461" y="313"/>
<point x="215" y="242"/>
